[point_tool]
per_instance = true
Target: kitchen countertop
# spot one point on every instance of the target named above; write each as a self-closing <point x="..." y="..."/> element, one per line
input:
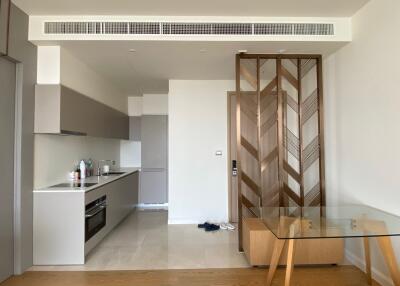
<point x="99" y="180"/>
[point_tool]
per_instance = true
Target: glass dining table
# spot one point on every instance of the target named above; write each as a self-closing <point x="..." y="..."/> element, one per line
<point x="289" y="224"/>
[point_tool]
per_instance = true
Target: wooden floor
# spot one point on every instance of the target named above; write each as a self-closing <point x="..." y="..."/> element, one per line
<point x="307" y="276"/>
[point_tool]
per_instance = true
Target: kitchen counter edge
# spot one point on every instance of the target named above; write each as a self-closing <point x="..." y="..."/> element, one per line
<point x="106" y="180"/>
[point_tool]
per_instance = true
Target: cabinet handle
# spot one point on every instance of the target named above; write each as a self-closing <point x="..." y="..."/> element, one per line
<point x="95" y="211"/>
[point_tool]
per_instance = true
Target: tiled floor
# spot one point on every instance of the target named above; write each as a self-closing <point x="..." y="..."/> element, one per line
<point x="145" y="241"/>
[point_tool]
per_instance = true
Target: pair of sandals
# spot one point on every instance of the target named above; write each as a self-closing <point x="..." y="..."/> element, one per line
<point x="214" y="227"/>
<point x="227" y="226"/>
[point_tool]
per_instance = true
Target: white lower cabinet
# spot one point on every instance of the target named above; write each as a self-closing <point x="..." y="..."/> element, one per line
<point x="153" y="186"/>
<point x="59" y="220"/>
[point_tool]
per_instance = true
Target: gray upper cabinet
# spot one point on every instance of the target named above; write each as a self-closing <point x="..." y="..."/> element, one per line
<point x="135" y="128"/>
<point x="4" y="26"/>
<point x="61" y="110"/>
<point x="154" y="135"/>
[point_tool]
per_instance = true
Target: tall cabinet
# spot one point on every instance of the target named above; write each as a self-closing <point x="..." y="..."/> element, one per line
<point x="154" y="152"/>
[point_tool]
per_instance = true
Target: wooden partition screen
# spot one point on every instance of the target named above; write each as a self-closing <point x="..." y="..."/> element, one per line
<point x="280" y="137"/>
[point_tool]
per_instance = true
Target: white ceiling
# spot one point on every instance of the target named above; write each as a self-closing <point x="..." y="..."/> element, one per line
<point x="149" y="68"/>
<point x="266" y="8"/>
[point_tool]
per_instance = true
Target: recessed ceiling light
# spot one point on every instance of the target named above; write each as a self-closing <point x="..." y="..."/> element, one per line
<point x="132" y="50"/>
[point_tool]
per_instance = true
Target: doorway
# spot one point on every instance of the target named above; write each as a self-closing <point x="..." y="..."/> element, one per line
<point x="7" y="127"/>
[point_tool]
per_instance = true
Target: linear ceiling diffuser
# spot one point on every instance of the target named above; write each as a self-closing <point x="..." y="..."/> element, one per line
<point x="180" y="28"/>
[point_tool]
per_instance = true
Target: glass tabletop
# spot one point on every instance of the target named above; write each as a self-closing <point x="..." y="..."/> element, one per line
<point x="328" y="222"/>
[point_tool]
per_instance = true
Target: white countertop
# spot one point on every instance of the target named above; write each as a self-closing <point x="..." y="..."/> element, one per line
<point x="99" y="180"/>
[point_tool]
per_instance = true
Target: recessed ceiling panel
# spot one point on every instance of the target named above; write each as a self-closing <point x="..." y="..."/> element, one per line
<point x="146" y="66"/>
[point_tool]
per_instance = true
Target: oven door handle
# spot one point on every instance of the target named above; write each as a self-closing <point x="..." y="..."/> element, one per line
<point x="95" y="211"/>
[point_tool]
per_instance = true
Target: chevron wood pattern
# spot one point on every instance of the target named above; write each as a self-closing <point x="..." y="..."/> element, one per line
<point x="250" y="148"/>
<point x="278" y="97"/>
<point x="291" y="102"/>
<point x="292" y="144"/>
<point x="268" y="159"/>
<point x="292" y="80"/>
<point x="310" y="106"/>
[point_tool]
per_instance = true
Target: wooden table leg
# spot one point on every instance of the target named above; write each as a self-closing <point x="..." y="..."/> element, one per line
<point x="290" y="263"/>
<point x="367" y="255"/>
<point x="387" y="250"/>
<point x="276" y="255"/>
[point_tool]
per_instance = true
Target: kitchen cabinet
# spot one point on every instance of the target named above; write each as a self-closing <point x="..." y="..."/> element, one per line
<point x="154" y="141"/>
<point x="154" y="148"/>
<point x="122" y="196"/>
<point x="153" y="186"/>
<point x="59" y="218"/>
<point x="4" y="26"/>
<point x="135" y="128"/>
<point x="61" y="110"/>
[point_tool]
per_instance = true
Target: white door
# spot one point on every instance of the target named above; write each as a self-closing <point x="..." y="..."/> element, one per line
<point x="7" y="112"/>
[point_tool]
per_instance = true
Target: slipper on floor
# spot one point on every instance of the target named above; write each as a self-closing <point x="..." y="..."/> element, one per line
<point x="203" y="225"/>
<point x="230" y="226"/>
<point x="223" y="226"/>
<point x="212" y="227"/>
<point x="227" y="226"/>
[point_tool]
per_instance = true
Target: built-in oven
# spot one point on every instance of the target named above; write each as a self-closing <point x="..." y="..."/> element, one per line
<point x="95" y="217"/>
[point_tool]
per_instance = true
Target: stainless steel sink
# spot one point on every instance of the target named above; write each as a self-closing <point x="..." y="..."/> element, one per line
<point x="73" y="185"/>
<point x="114" y="173"/>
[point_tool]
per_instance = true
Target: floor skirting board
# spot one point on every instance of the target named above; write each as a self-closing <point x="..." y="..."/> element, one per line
<point x="152" y="206"/>
<point x="377" y="275"/>
<point x="183" y="221"/>
<point x="193" y="221"/>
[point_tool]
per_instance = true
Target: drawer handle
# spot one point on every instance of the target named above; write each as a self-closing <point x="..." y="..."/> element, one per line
<point x="95" y="211"/>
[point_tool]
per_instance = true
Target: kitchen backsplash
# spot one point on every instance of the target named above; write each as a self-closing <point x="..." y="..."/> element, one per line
<point x="55" y="155"/>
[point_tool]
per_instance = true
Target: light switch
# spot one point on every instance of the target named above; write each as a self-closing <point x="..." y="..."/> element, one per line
<point x="218" y="153"/>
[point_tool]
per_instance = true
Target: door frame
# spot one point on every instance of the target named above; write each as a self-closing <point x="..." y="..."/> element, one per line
<point x="229" y="134"/>
<point x="17" y="168"/>
<point x="17" y="150"/>
<point x="18" y="115"/>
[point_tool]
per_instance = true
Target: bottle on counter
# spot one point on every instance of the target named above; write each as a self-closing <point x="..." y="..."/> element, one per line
<point x="89" y="168"/>
<point x="77" y="173"/>
<point x="82" y="167"/>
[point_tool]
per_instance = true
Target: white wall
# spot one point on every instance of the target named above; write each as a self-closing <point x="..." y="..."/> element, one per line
<point x="131" y="155"/>
<point x="135" y="106"/>
<point x="149" y="104"/>
<point x="55" y="156"/>
<point x="198" y="179"/>
<point x="155" y="104"/>
<point x="48" y="65"/>
<point x="363" y="112"/>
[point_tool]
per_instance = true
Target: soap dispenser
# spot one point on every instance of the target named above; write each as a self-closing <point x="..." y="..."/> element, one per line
<point x="82" y="167"/>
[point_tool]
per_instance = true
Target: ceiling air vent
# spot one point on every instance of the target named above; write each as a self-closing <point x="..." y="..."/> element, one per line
<point x="293" y="29"/>
<point x="207" y="29"/>
<point x="178" y="28"/>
